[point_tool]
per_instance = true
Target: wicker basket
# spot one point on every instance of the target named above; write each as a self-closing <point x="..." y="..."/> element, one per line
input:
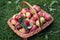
<point x="25" y="36"/>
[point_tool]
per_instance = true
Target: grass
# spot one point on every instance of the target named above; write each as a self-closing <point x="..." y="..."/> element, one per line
<point x="10" y="7"/>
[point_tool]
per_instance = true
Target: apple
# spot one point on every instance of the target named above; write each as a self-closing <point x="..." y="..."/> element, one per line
<point x="20" y="14"/>
<point x="42" y="20"/>
<point x="40" y="14"/>
<point x="37" y="23"/>
<point x="23" y="30"/>
<point x="37" y="8"/>
<point x="47" y="16"/>
<point x="34" y="27"/>
<point x="16" y="16"/>
<point x="27" y="19"/>
<point x="32" y="21"/>
<point x="14" y="21"/>
<point x="24" y="10"/>
<point x="26" y="22"/>
<point x="31" y="11"/>
<point x="24" y="15"/>
<point x="18" y="26"/>
<point x="35" y="16"/>
<point x="28" y="14"/>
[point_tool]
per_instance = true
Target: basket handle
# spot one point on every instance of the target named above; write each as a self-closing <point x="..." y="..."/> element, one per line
<point x="24" y="2"/>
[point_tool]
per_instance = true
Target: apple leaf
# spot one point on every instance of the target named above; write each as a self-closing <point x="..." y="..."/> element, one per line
<point x="21" y="21"/>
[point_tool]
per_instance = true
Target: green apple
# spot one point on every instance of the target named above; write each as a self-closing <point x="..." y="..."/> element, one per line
<point x="37" y="23"/>
<point x="42" y="20"/>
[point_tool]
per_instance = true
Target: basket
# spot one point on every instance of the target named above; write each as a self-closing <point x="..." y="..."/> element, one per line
<point x="25" y="36"/>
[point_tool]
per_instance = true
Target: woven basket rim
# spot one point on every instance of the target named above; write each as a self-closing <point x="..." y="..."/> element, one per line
<point x="31" y="33"/>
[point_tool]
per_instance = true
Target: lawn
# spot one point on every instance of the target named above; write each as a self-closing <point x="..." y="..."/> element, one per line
<point x="10" y="7"/>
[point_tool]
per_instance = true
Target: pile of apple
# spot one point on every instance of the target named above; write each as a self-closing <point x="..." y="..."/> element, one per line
<point x="32" y="20"/>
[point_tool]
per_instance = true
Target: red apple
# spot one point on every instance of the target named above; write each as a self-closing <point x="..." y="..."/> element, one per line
<point x="14" y="21"/>
<point x="37" y="8"/>
<point x="35" y="16"/>
<point x="28" y="14"/>
<point x="37" y="23"/>
<point x="26" y="22"/>
<point x="24" y="15"/>
<point x="47" y="16"/>
<point x="32" y="21"/>
<point x="40" y="14"/>
<point x="17" y="16"/>
<point x="31" y="11"/>
<point x="18" y="26"/>
<point x="34" y="27"/>
<point x="24" y="10"/>
<point x="20" y="14"/>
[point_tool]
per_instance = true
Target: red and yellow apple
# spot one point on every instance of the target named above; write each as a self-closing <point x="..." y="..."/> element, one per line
<point x="26" y="22"/>
<point x="34" y="27"/>
<point x="28" y="14"/>
<point x="47" y="16"/>
<point x="35" y="16"/>
<point x="37" y="23"/>
<point x="40" y="14"/>
<point x="14" y="21"/>
<point x="24" y="10"/>
<point x="37" y="8"/>
<point x="23" y="30"/>
<point x="18" y="27"/>
<point x="32" y="21"/>
<point x="16" y="16"/>
<point x="27" y="19"/>
<point x="31" y="11"/>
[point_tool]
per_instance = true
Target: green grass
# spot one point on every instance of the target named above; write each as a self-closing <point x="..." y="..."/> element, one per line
<point x="10" y="7"/>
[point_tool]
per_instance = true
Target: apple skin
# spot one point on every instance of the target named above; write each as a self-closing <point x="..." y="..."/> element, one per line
<point x="20" y="14"/>
<point x="26" y="22"/>
<point x="40" y="14"/>
<point x="23" y="30"/>
<point x="34" y="27"/>
<point x="47" y="16"/>
<point x="32" y="21"/>
<point x="42" y="20"/>
<point x="28" y="14"/>
<point x="31" y="11"/>
<point x="18" y="26"/>
<point x="24" y="10"/>
<point x="37" y="8"/>
<point x="24" y="15"/>
<point x="14" y="21"/>
<point x="16" y="16"/>
<point x="35" y="16"/>
<point x="37" y="23"/>
<point x="28" y="19"/>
